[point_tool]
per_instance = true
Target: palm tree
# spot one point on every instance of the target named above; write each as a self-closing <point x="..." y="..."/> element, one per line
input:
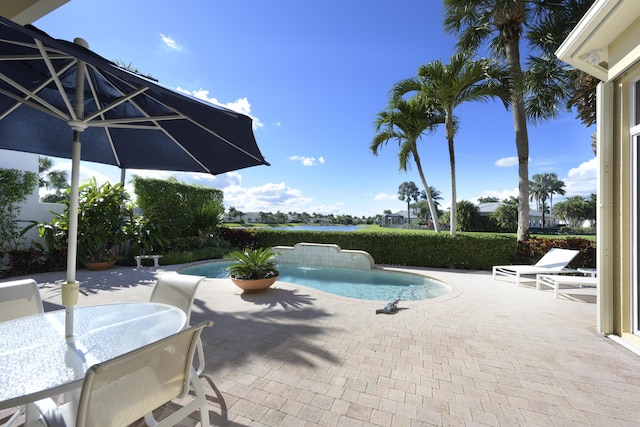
<point x="407" y="192"/>
<point x="550" y="82"/>
<point x="435" y="196"/>
<point x="556" y="186"/>
<point x="476" y="21"/>
<point x="536" y="95"/>
<point x="544" y="186"/>
<point x="445" y="87"/>
<point x="539" y="191"/>
<point x="52" y="180"/>
<point x="406" y="121"/>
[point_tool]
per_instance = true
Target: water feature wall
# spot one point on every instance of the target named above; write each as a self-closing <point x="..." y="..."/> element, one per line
<point x="316" y="254"/>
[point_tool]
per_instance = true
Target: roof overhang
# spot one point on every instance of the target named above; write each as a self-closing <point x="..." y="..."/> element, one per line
<point x="587" y="46"/>
<point x="25" y="12"/>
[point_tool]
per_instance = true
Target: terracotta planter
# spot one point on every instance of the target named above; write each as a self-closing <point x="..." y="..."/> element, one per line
<point x="253" y="286"/>
<point x="99" y="266"/>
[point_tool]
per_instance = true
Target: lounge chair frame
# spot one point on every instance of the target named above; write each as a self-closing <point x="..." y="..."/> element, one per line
<point x="553" y="262"/>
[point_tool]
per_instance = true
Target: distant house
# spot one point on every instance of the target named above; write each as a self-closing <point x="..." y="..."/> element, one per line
<point x="398" y="219"/>
<point x="535" y="216"/>
<point x="250" y="217"/>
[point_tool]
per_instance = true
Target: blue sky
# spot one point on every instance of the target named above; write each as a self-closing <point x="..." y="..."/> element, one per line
<point x="313" y="75"/>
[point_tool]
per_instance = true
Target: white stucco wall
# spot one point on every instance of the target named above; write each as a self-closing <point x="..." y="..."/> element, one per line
<point x="31" y="209"/>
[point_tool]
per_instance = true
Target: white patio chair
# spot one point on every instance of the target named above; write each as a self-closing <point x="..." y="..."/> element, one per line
<point x="19" y="298"/>
<point x="122" y="390"/>
<point x="553" y="262"/>
<point x="179" y="290"/>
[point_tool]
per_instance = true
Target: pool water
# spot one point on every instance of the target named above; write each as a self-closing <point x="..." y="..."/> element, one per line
<point x="369" y="285"/>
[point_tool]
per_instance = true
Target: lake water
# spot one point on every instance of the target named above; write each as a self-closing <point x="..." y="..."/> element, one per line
<point x="320" y="228"/>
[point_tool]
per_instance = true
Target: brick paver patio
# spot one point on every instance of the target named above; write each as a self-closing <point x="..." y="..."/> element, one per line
<point x="489" y="353"/>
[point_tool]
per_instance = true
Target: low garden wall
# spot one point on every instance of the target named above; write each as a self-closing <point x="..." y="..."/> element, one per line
<point x="324" y="255"/>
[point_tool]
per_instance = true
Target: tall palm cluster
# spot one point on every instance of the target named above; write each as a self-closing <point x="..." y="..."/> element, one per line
<point x="535" y="89"/>
<point x="543" y="187"/>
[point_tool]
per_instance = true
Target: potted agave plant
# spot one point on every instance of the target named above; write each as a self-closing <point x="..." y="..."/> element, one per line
<point x="254" y="270"/>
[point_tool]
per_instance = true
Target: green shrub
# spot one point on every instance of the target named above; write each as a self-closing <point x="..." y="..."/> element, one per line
<point x="464" y="251"/>
<point x="184" y="257"/>
<point x="238" y="238"/>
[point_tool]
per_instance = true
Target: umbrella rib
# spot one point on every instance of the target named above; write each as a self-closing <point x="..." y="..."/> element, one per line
<point x="56" y="80"/>
<point x="31" y="57"/>
<point x="108" y="134"/>
<point x="129" y="122"/>
<point x="25" y="101"/>
<point x="130" y="97"/>
<point x="115" y="103"/>
<point x="206" y="129"/>
<point x="225" y="140"/>
<point x="32" y="94"/>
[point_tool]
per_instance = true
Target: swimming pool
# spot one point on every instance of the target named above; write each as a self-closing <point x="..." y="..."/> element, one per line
<point x="377" y="285"/>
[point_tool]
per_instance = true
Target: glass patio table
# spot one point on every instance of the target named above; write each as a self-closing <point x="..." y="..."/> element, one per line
<point x="37" y="361"/>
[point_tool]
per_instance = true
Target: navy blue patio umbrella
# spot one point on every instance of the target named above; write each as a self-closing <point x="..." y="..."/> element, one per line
<point x="52" y="92"/>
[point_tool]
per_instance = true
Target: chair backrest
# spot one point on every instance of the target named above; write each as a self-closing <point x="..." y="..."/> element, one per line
<point x="557" y="258"/>
<point x="178" y="290"/>
<point x="121" y="390"/>
<point x="19" y="298"/>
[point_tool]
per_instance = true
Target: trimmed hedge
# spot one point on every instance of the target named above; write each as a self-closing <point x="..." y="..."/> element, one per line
<point x="463" y="251"/>
<point x="419" y="250"/>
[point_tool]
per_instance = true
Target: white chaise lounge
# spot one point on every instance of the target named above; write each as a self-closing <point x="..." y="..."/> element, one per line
<point x="555" y="261"/>
<point x="555" y="281"/>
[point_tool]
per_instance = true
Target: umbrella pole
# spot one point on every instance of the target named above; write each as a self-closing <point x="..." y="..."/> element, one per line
<point x="71" y="288"/>
<point x="70" y="297"/>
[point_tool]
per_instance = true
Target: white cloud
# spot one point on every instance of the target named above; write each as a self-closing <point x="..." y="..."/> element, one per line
<point x="86" y="172"/>
<point x="507" y="162"/>
<point x="581" y="181"/>
<point x="170" y="43"/>
<point x="270" y="197"/>
<point x="385" y="196"/>
<point x="307" y="161"/>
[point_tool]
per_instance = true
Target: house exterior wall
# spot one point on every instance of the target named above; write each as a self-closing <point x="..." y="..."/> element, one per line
<point x="606" y="44"/>
<point x="623" y="227"/>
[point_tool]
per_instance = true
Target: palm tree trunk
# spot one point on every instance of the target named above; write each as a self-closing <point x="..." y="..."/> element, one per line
<point x="512" y="51"/>
<point x="452" y="167"/>
<point x="432" y="206"/>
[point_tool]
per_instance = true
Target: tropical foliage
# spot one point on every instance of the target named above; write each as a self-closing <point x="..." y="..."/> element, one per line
<point x="506" y="215"/>
<point x="254" y="264"/>
<point x="101" y="220"/>
<point x="543" y="187"/>
<point x="576" y="210"/>
<point x="407" y="192"/>
<point x="52" y="179"/>
<point x="469" y="214"/>
<point x="538" y="89"/>
<point x="15" y="186"/>
<point x="406" y="121"/>
<point x="444" y="87"/>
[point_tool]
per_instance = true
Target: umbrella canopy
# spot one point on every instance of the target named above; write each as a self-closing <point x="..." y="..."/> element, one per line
<point x="128" y="121"/>
<point x="62" y="100"/>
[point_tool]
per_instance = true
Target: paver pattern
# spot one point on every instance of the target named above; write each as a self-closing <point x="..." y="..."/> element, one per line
<point x="487" y="354"/>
